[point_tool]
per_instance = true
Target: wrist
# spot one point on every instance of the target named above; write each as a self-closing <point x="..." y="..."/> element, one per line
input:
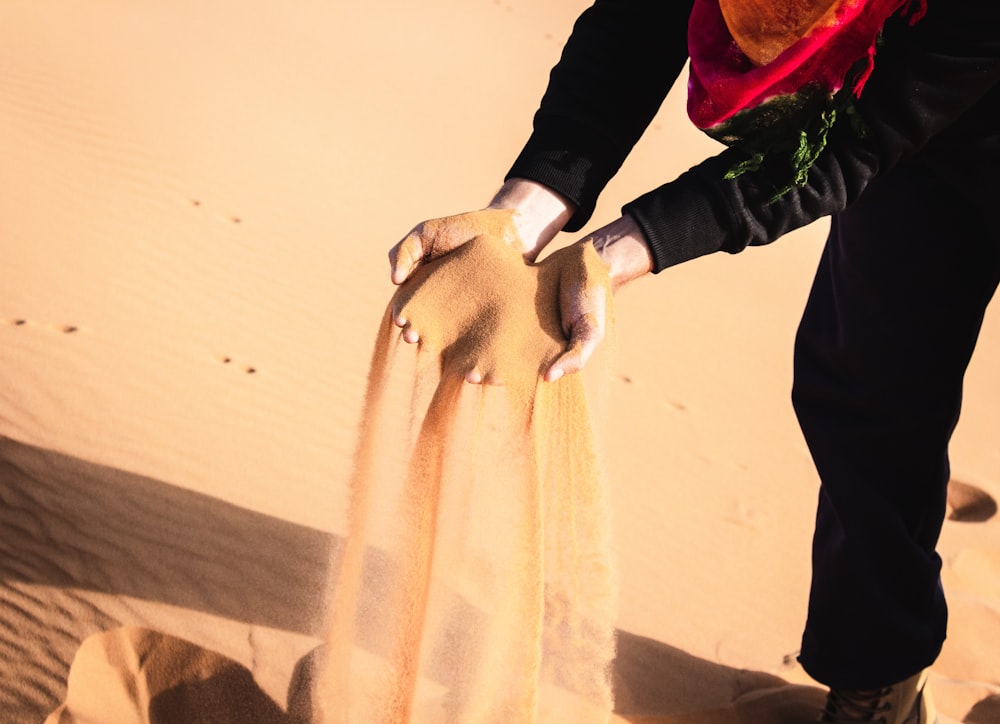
<point x="539" y="212"/>
<point x="624" y="250"/>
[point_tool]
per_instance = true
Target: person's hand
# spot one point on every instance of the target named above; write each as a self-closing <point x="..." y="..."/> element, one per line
<point x="429" y="240"/>
<point x="497" y="318"/>
<point x="576" y="284"/>
<point x="487" y="313"/>
<point x="523" y="214"/>
<point x="584" y="276"/>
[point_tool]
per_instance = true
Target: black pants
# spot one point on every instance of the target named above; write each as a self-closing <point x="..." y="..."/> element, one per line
<point x="884" y="342"/>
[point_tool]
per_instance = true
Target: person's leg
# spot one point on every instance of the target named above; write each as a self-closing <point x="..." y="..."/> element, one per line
<point x="887" y="333"/>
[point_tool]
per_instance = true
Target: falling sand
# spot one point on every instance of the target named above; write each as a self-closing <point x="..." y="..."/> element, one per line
<point x="476" y="583"/>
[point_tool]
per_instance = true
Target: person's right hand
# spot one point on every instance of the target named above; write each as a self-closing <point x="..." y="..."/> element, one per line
<point x="524" y="214"/>
<point x="430" y="239"/>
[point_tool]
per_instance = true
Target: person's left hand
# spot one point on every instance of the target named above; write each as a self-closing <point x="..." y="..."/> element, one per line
<point x="588" y="273"/>
<point x="577" y="282"/>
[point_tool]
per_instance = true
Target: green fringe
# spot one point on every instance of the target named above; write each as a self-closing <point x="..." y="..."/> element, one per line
<point x="809" y="147"/>
<point x="751" y="164"/>
<point x="802" y="149"/>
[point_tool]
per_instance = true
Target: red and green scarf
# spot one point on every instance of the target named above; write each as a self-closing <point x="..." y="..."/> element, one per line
<point x="771" y="76"/>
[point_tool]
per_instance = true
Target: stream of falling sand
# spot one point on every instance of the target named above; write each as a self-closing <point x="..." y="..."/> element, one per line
<point x="476" y="582"/>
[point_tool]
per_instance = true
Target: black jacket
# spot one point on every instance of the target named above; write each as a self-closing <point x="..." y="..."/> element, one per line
<point x="933" y="99"/>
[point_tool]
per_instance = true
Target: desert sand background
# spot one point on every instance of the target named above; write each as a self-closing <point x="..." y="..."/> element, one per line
<point x="195" y="204"/>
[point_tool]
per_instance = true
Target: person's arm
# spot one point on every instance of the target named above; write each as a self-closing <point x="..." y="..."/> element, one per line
<point x="618" y="64"/>
<point x="539" y="212"/>
<point x="925" y="78"/>
<point x="620" y="61"/>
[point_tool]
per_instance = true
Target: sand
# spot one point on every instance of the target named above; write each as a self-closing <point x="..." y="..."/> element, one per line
<point x="196" y="200"/>
<point x="477" y="581"/>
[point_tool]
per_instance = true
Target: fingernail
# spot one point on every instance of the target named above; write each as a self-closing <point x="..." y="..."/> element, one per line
<point x="555" y="374"/>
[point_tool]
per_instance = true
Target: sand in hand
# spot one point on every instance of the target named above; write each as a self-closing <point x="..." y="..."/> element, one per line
<point x="476" y="584"/>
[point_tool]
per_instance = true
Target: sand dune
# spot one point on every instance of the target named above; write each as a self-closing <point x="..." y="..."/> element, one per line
<point x="89" y="548"/>
<point x="195" y="204"/>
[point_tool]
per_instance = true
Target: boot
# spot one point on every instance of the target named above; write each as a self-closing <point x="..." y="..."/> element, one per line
<point x="908" y="702"/>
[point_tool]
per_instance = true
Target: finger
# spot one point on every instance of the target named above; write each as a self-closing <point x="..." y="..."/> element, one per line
<point x="586" y="333"/>
<point x="405" y="256"/>
<point x="398" y="318"/>
<point x="410" y="335"/>
<point x="476" y="376"/>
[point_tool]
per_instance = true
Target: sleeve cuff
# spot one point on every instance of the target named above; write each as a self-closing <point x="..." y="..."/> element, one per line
<point x="680" y="222"/>
<point x="571" y="159"/>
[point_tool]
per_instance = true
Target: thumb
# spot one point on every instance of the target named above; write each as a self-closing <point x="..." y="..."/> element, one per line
<point x="406" y="256"/>
<point x="586" y="332"/>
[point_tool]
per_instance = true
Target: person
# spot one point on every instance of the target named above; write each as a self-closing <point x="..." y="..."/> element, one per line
<point x="885" y="116"/>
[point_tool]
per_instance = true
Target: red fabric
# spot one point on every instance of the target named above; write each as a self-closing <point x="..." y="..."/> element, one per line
<point x="723" y="81"/>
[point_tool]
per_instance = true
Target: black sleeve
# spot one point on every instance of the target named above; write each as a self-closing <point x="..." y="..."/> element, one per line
<point x="624" y="55"/>
<point x="926" y="77"/>
<point x="616" y="68"/>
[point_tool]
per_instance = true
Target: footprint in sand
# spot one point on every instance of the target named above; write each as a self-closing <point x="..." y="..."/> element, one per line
<point x="227" y="360"/>
<point x="21" y="322"/>
<point x="969" y="504"/>
<point x="231" y="218"/>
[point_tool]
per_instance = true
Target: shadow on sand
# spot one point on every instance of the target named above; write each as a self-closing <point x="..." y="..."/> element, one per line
<point x="72" y="527"/>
